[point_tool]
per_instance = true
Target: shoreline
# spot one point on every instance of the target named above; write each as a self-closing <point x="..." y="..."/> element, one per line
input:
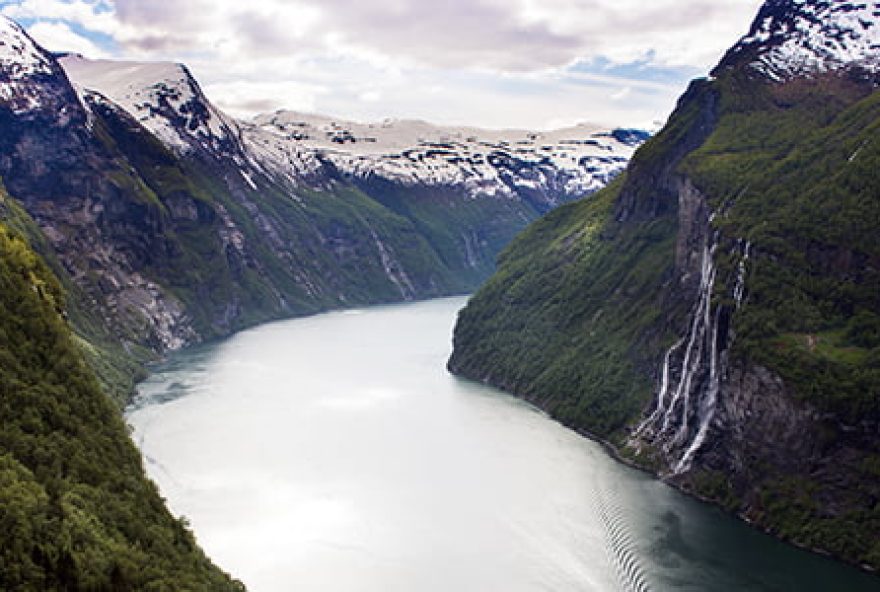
<point x="615" y="455"/>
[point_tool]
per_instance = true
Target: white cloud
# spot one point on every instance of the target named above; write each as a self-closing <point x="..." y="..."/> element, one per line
<point x="490" y="62"/>
<point x="503" y="35"/>
<point x="244" y="98"/>
<point x="622" y="93"/>
<point x="89" y="14"/>
<point x="371" y="96"/>
<point x="59" y="36"/>
<point x="692" y="33"/>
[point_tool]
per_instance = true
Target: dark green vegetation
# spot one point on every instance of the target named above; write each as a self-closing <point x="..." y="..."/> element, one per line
<point x="586" y="301"/>
<point x="574" y="317"/>
<point x="76" y="511"/>
<point x="798" y="166"/>
<point x="115" y="249"/>
<point x="116" y="368"/>
<point x="557" y="321"/>
<point x="159" y="250"/>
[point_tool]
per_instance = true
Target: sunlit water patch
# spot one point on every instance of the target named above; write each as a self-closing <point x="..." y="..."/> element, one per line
<point x="336" y="453"/>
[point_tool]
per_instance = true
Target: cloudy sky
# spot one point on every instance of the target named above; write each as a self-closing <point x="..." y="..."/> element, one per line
<point x="492" y="63"/>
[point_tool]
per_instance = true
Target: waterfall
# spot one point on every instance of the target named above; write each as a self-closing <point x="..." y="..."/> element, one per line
<point x="694" y="366"/>
<point x="664" y="389"/>
<point x="740" y="288"/>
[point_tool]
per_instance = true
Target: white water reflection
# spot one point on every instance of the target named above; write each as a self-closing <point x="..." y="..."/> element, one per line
<point x="336" y="453"/>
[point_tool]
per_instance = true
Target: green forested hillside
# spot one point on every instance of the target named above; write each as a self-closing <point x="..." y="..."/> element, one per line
<point x="565" y="318"/>
<point x="575" y="315"/>
<point x="796" y="171"/>
<point x="587" y="300"/>
<point x="557" y="321"/>
<point x="76" y="511"/>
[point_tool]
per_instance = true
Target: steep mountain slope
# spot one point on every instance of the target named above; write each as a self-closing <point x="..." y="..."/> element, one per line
<point x="180" y="223"/>
<point x="716" y="312"/>
<point x="77" y="511"/>
<point x="165" y="225"/>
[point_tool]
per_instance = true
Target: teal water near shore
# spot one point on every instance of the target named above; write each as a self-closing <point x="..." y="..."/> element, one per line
<point x="336" y="453"/>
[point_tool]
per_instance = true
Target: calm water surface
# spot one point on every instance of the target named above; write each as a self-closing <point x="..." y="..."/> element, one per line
<point x="336" y="453"/>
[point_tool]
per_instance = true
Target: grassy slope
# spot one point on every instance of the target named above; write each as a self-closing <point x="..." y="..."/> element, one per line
<point x="567" y="287"/>
<point x="572" y="318"/>
<point x="76" y="510"/>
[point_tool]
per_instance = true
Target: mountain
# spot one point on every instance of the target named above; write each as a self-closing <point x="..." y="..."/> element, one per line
<point x="77" y="511"/>
<point x="171" y="223"/>
<point x="714" y="314"/>
<point x="178" y="223"/>
<point x="137" y="218"/>
<point x="544" y="168"/>
<point x="804" y="39"/>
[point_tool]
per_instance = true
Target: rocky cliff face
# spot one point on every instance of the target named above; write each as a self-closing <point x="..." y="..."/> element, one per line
<point x="176" y="223"/>
<point x="78" y="188"/>
<point x="715" y="314"/>
<point x="78" y="511"/>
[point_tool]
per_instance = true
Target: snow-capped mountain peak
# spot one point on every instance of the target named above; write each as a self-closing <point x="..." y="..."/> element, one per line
<point x="19" y="55"/>
<point x="573" y="161"/>
<point x="163" y="96"/>
<point x="551" y="167"/>
<point x="793" y="38"/>
<point x="31" y="81"/>
<point x="394" y="135"/>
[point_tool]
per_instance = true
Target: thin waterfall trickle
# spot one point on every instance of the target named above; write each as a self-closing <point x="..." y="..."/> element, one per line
<point x="740" y="289"/>
<point x="664" y="388"/>
<point x="691" y="374"/>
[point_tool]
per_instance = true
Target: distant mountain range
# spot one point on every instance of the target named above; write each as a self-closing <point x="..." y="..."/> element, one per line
<point x="715" y="313"/>
<point x="137" y="218"/>
<point x="180" y="223"/>
<point x="548" y="167"/>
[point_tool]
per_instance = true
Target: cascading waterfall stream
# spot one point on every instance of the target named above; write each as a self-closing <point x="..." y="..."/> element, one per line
<point x="691" y="374"/>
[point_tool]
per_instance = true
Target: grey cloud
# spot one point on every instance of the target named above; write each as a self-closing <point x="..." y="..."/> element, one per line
<point x="487" y="34"/>
<point x="452" y="33"/>
<point x="661" y="19"/>
<point x="178" y="15"/>
<point x="164" y="27"/>
<point x="253" y="105"/>
<point x="158" y="43"/>
<point x="268" y="35"/>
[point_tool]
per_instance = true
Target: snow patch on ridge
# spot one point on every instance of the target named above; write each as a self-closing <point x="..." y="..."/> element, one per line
<point x="162" y="96"/>
<point x="21" y="62"/>
<point x="548" y="167"/>
<point x="803" y="37"/>
<point x="20" y="57"/>
<point x="575" y="161"/>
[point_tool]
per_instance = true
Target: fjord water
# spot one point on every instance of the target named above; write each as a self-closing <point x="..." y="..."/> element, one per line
<point x="336" y="453"/>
